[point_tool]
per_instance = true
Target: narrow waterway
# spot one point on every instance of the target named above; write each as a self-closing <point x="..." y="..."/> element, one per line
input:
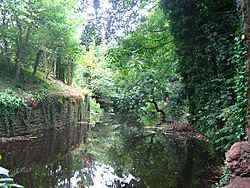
<point x="118" y="153"/>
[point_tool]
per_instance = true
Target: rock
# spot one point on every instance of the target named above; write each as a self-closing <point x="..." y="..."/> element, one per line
<point x="239" y="182"/>
<point x="238" y="159"/>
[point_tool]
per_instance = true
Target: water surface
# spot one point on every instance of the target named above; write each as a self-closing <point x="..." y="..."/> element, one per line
<point x="118" y="153"/>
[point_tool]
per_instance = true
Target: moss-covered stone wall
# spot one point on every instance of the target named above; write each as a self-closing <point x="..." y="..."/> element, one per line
<point x="54" y="112"/>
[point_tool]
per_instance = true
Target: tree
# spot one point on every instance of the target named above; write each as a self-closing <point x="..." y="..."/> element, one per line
<point x="110" y="18"/>
<point x="39" y="35"/>
<point x="145" y="65"/>
<point x="92" y="72"/>
<point x="23" y="16"/>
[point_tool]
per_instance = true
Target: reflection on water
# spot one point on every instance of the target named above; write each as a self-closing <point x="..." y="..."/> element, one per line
<point x="105" y="176"/>
<point x="118" y="153"/>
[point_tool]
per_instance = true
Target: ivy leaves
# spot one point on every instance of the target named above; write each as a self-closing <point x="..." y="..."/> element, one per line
<point x="10" y="99"/>
<point x="211" y="61"/>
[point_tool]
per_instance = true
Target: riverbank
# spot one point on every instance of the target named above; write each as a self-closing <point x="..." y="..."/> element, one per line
<point x="31" y="106"/>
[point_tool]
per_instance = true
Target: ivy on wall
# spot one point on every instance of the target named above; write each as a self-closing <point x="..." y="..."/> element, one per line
<point x="212" y="62"/>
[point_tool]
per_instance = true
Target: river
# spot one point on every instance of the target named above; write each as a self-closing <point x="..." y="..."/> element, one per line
<point x="118" y="152"/>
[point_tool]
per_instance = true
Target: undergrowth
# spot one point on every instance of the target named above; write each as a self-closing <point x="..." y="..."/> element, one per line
<point x="224" y="179"/>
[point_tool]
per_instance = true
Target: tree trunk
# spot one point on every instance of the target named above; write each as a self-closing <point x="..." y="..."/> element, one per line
<point x="163" y="115"/>
<point x="46" y="65"/>
<point x="70" y="72"/>
<point x="245" y="6"/>
<point x="61" y="73"/>
<point x="19" y="54"/>
<point x="22" y="45"/>
<point x="38" y="55"/>
<point x="18" y="68"/>
<point x="60" y="70"/>
<point x="54" y="71"/>
<point x="5" y="57"/>
<point x="18" y="62"/>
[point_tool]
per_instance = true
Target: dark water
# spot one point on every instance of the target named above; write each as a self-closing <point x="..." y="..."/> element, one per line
<point x="118" y="153"/>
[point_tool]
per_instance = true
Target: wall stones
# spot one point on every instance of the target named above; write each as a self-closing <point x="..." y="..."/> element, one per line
<point x="55" y="112"/>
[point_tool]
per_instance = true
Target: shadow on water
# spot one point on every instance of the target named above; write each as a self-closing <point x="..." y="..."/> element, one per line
<point x="118" y="153"/>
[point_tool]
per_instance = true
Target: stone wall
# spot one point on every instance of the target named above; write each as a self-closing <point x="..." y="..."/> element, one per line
<point x="54" y="112"/>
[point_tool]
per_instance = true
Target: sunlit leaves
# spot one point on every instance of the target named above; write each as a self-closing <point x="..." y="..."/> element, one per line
<point x="93" y="73"/>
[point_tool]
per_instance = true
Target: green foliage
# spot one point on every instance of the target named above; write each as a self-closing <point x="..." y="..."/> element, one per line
<point x="92" y="72"/>
<point x="95" y="111"/>
<point x="10" y="102"/>
<point x="39" y="35"/>
<point x="10" y="99"/>
<point x="38" y="96"/>
<point x="211" y="60"/>
<point x="7" y="182"/>
<point x="109" y="18"/>
<point x="14" y="102"/>
<point x="94" y="106"/>
<point x="224" y="178"/>
<point x="234" y="115"/>
<point x="146" y="78"/>
<point x="43" y="92"/>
